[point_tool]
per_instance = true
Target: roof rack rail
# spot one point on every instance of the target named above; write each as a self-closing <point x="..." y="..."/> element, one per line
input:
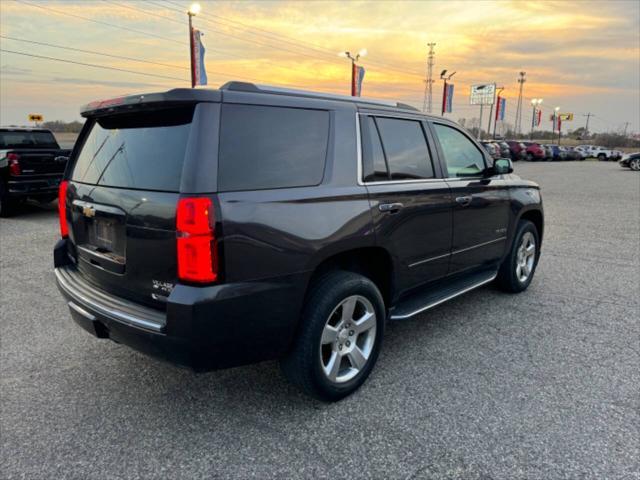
<point x="255" y="88"/>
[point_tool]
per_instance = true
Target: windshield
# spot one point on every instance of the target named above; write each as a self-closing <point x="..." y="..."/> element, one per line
<point x="27" y="139"/>
<point x="142" y="151"/>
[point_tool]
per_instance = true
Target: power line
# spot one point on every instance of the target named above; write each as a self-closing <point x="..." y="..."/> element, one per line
<point x="148" y="34"/>
<point x="331" y="56"/>
<point x="293" y="41"/>
<point x="90" y="65"/>
<point x="93" y="52"/>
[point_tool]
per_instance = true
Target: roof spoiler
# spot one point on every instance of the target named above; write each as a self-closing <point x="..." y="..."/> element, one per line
<point x="177" y="96"/>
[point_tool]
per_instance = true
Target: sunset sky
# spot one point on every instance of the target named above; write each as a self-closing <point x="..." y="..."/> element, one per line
<point x="581" y="56"/>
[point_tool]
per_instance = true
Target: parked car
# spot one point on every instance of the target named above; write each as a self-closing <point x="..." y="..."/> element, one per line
<point x="518" y="150"/>
<point x="582" y="152"/>
<point x="31" y="166"/>
<point x="616" y="154"/>
<point x="548" y="152"/>
<point x="214" y="228"/>
<point x="632" y="161"/>
<point x="603" y="153"/>
<point x="574" y="154"/>
<point x="505" y="151"/>
<point x="492" y="148"/>
<point x="534" y="151"/>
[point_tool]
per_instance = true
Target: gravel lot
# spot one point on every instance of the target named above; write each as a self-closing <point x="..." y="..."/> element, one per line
<point x="541" y="385"/>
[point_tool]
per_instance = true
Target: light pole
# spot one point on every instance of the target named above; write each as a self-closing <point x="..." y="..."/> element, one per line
<point x="444" y="91"/>
<point x="194" y="9"/>
<point x="534" y="103"/>
<point x="361" y="53"/>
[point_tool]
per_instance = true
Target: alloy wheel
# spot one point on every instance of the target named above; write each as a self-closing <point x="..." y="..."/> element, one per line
<point x="526" y="257"/>
<point x="635" y="164"/>
<point x="348" y="339"/>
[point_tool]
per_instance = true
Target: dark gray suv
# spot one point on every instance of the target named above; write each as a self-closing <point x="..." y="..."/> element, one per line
<point x="214" y="228"/>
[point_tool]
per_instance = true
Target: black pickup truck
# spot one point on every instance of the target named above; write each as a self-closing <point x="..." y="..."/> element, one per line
<point x="31" y="166"/>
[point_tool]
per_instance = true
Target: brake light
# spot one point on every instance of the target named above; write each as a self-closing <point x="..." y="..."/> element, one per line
<point x="197" y="260"/>
<point x="13" y="159"/>
<point x="62" y="208"/>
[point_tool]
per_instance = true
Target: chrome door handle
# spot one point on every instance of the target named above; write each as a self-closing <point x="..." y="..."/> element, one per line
<point x="464" y="201"/>
<point x="390" y="207"/>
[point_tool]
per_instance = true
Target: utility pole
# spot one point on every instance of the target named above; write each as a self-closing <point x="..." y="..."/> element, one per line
<point x="586" y="126"/>
<point x="521" y="81"/>
<point x="626" y="125"/>
<point x="428" y="83"/>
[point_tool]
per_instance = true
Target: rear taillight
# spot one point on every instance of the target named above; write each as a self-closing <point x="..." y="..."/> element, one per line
<point x="62" y="208"/>
<point x="13" y="159"/>
<point x="197" y="261"/>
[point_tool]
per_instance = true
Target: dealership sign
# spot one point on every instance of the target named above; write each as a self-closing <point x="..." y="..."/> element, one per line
<point x="483" y="94"/>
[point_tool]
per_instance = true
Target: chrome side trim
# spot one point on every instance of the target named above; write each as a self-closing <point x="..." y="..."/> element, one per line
<point x="359" y="149"/>
<point x="427" y="260"/>
<point x="478" y="246"/>
<point x="103" y="309"/>
<point x="445" y="299"/>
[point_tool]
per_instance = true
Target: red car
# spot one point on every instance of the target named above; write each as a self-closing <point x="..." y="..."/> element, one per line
<point x="534" y="151"/>
<point x="517" y="150"/>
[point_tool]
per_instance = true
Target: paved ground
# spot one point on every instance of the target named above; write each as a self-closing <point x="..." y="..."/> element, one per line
<point x="541" y="385"/>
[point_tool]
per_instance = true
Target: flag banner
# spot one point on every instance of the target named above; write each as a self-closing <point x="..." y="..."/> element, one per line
<point x="538" y="116"/>
<point x="498" y="108"/>
<point x="359" y="79"/>
<point x="449" y="103"/>
<point x="503" y="107"/>
<point x="199" y="73"/>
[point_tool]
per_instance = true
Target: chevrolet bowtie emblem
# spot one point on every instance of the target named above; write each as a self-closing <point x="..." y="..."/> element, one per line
<point x="89" y="211"/>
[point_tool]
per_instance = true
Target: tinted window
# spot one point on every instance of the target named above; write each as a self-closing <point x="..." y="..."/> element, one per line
<point x="27" y="139"/>
<point x="405" y="148"/>
<point x="461" y="155"/>
<point x="375" y="167"/>
<point x="271" y="147"/>
<point x="140" y="151"/>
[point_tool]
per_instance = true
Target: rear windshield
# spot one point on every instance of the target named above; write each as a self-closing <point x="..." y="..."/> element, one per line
<point x="142" y="151"/>
<point x="271" y="147"/>
<point x="26" y="139"/>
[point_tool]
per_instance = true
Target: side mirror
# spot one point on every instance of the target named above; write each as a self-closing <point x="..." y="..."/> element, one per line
<point x="61" y="159"/>
<point x="502" y="166"/>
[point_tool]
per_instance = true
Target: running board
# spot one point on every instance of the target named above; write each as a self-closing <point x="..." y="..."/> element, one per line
<point x="430" y="297"/>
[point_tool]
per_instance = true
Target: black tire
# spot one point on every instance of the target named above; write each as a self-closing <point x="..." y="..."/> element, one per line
<point x="529" y="157"/>
<point x="635" y="164"/>
<point x="602" y="157"/>
<point x="507" y="278"/>
<point x="303" y="365"/>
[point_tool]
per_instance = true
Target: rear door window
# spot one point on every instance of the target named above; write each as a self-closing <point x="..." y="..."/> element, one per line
<point x="405" y="148"/>
<point x="265" y="147"/>
<point x="375" y="165"/>
<point x="143" y="151"/>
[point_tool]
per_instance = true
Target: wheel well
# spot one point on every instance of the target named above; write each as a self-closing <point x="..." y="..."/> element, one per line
<point x="372" y="262"/>
<point x="535" y="217"/>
